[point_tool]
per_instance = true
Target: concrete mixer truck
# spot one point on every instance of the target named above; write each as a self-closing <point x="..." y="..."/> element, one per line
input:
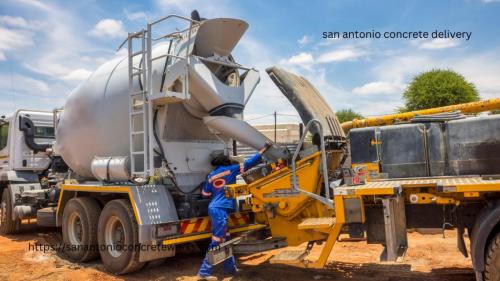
<point x="122" y="164"/>
<point x="119" y="168"/>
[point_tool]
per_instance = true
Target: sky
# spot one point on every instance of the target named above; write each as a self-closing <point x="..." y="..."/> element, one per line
<point x="48" y="47"/>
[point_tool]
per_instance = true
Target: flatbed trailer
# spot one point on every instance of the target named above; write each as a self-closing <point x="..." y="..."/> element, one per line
<point x="388" y="208"/>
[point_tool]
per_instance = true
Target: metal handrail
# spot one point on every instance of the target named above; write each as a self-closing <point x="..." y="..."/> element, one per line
<point x="173" y="16"/>
<point x="325" y="200"/>
<point x="168" y="55"/>
<point x="191" y="21"/>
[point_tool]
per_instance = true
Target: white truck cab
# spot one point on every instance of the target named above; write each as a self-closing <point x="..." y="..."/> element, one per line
<point x="25" y="140"/>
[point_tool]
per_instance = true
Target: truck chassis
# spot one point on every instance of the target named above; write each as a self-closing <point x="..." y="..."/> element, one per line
<point x="111" y="217"/>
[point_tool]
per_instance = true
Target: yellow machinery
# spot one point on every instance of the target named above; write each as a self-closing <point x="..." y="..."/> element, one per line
<point x="472" y="107"/>
<point x="300" y="204"/>
<point x="301" y="214"/>
<point x="305" y="214"/>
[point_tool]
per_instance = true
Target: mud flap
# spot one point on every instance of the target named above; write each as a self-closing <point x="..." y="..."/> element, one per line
<point x="396" y="240"/>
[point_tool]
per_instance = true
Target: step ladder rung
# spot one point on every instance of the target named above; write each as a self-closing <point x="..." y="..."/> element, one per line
<point x="139" y="93"/>
<point x="137" y="133"/>
<point x="136" y="73"/>
<point x="317" y="223"/>
<point x="137" y="152"/>
<point x="138" y="105"/>
<point x="139" y="112"/>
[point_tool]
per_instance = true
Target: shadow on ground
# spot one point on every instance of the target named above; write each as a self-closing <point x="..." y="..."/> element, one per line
<point x="184" y="266"/>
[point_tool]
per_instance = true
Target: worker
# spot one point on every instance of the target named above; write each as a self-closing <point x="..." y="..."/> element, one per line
<point x="225" y="172"/>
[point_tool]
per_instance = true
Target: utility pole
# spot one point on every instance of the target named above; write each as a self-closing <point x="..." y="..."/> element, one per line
<point x="275" y="117"/>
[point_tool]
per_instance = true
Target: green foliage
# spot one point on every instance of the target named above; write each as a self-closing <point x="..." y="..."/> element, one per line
<point x="401" y="109"/>
<point x="4" y="134"/>
<point x="345" y="115"/>
<point x="437" y="88"/>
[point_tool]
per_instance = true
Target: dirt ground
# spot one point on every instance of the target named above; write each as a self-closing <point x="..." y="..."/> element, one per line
<point x="429" y="257"/>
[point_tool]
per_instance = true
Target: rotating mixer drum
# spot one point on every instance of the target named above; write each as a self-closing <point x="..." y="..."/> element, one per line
<point x="95" y="121"/>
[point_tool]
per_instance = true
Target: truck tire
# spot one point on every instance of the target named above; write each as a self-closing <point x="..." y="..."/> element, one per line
<point x="79" y="228"/>
<point x="492" y="265"/>
<point x="7" y="225"/>
<point x="118" y="237"/>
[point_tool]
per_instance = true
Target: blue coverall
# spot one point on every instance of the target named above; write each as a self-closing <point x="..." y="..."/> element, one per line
<point x="220" y="207"/>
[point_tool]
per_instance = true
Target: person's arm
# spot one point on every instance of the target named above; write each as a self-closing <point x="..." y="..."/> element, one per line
<point x="206" y="191"/>
<point x="254" y="160"/>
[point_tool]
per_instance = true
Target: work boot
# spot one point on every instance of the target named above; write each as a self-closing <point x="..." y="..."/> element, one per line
<point x="207" y="278"/>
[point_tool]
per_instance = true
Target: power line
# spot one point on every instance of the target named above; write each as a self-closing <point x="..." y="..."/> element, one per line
<point x="273" y="114"/>
<point x="283" y="114"/>
<point x="260" y="117"/>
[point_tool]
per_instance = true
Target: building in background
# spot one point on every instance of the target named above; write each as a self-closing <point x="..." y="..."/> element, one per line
<point x="285" y="133"/>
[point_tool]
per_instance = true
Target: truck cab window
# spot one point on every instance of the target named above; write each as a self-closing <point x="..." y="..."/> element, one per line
<point x="44" y="132"/>
<point x="4" y="133"/>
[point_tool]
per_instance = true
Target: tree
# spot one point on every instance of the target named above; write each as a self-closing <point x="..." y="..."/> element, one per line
<point x="345" y="115"/>
<point x="437" y="88"/>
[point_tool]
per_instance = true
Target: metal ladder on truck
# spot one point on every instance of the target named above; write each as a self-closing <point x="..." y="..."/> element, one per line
<point x="141" y="102"/>
<point x="139" y="107"/>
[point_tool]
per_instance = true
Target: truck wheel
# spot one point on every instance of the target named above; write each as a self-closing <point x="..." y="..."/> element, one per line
<point x="79" y="228"/>
<point x="118" y="237"/>
<point x="492" y="267"/>
<point x="7" y="225"/>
